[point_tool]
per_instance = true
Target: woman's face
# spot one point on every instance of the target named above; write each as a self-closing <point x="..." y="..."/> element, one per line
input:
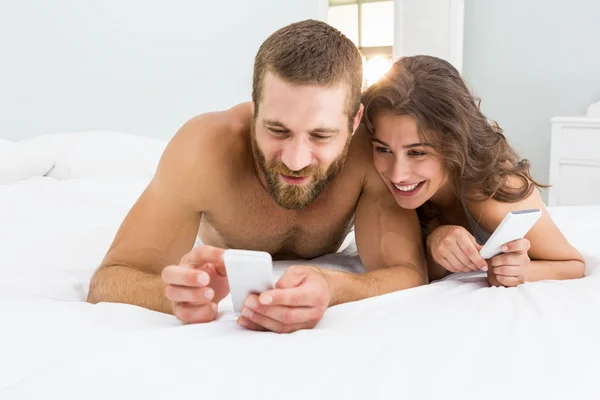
<point x="412" y="170"/>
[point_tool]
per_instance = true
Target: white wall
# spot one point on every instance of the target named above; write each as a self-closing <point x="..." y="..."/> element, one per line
<point x="138" y="66"/>
<point x="530" y="60"/>
<point x="432" y="27"/>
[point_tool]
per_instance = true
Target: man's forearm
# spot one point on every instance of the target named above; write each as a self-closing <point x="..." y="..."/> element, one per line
<point x="346" y="287"/>
<point x="120" y="284"/>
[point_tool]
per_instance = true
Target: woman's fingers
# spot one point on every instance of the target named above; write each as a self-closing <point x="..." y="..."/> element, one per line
<point x="469" y="249"/>
<point x="457" y="263"/>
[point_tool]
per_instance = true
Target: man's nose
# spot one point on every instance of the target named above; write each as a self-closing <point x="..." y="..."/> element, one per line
<point x="296" y="154"/>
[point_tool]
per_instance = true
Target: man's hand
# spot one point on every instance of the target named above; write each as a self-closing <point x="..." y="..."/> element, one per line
<point x="197" y="284"/>
<point x="298" y="301"/>
<point x="510" y="267"/>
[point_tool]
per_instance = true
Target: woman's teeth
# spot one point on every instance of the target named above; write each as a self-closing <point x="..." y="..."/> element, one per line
<point x="407" y="188"/>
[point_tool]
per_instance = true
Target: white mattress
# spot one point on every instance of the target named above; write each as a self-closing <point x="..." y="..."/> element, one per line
<point x="454" y="339"/>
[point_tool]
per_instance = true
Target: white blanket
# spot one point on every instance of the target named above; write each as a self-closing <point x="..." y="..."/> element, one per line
<point x="454" y="339"/>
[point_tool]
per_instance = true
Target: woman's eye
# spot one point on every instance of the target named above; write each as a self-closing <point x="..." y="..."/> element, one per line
<point x="416" y="153"/>
<point x="382" y="149"/>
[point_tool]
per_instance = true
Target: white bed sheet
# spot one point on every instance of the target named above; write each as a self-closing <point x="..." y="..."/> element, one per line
<point x="457" y="338"/>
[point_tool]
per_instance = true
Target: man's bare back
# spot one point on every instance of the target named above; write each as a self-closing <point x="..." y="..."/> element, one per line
<point x="242" y="214"/>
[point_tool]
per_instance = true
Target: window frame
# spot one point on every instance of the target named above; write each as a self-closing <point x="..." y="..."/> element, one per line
<point x="369" y="51"/>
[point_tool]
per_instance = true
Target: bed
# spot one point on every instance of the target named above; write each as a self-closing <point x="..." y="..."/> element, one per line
<point x="453" y="339"/>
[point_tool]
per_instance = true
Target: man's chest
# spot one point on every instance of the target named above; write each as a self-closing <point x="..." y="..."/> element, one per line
<point x="257" y="223"/>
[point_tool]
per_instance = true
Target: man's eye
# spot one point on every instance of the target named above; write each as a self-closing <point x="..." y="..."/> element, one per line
<point x="416" y="153"/>
<point x="321" y="137"/>
<point x="382" y="149"/>
<point x="278" y="131"/>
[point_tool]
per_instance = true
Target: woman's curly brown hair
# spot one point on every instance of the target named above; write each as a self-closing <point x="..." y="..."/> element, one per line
<point x="476" y="155"/>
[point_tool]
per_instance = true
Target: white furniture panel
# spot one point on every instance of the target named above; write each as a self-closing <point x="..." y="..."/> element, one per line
<point x="574" y="161"/>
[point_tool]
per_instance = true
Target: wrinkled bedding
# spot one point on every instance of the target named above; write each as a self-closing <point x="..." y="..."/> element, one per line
<point x="453" y="339"/>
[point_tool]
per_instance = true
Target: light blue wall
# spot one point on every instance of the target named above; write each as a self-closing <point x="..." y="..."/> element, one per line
<point x="531" y="60"/>
<point x="133" y="66"/>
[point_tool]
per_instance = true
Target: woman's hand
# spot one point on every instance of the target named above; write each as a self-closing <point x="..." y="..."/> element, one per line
<point x="455" y="249"/>
<point x="509" y="268"/>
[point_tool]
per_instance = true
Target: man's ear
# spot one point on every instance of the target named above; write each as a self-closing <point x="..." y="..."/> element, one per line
<point x="358" y="118"/>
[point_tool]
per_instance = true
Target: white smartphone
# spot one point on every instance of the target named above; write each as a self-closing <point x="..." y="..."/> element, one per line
<point x="248" y="271"/>
<point x="515" y="225"/>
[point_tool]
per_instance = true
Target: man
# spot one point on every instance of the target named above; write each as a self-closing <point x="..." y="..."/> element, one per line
<point x="285" y="174"/>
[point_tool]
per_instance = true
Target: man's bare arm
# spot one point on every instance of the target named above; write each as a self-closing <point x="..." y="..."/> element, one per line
<point x="389" y="242"/>
<point x="160" y="227"/>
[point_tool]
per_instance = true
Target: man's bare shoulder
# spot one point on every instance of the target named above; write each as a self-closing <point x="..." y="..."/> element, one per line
<point x="360" y="146"/>
<point x="363" y="160"/>
<point x="205" y="137"/>
<point x="206" y="142"/>
<point x="201" y="151"/>
<point x="360" y="155"/>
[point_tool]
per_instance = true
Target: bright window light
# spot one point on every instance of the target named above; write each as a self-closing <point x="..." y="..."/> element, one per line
<point x="375" y="68"/>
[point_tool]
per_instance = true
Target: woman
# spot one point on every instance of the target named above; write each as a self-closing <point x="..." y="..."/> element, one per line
<point x="438" y="154"/>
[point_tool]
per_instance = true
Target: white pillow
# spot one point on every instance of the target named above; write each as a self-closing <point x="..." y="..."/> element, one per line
<point x="20" y="161"/>
<point x="101" y="154"/>
<point x="593" y="110"/>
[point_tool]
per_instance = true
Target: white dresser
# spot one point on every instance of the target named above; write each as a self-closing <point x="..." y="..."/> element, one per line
<point x="574" y="161"/>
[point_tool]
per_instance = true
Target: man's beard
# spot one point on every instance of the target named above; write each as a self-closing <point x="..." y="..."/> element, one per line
<point x="296" y="197"/>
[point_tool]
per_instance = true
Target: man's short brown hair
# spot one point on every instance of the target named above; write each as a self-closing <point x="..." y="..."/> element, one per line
<point x="310" y="53"/>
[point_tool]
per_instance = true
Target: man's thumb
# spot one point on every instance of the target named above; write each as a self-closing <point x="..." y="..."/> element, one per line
<point x="292" y="277"/>
<point x="213" y="269"/>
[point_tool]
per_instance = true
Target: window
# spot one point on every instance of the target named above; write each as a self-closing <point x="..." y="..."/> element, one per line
<point x="370" y="25"/>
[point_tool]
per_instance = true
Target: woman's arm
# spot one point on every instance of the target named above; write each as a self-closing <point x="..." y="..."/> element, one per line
<point x="552" y="256"/>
